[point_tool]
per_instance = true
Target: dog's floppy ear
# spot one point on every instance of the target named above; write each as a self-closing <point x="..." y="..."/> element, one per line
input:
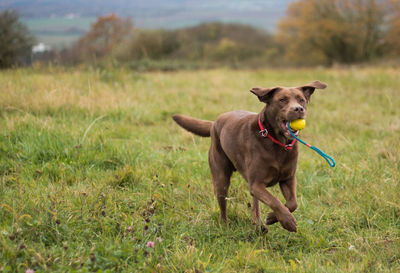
<point x="264" y="94"/>
<point x="309" y="89"/>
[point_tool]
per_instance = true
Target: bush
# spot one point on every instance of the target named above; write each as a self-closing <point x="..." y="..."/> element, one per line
<point x="214" y="42"/>
<point x="149" y="44"/>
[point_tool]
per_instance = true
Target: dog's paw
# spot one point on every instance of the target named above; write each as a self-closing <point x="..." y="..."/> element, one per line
<point x="271" y="218"/>
<point x="263" y="228"/>
<point x="260" y="224"/>
<point x="223" y="221"/>
<point x="288" y="222"/>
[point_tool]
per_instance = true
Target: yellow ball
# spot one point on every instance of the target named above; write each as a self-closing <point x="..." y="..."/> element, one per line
<point x="298" y="124"/>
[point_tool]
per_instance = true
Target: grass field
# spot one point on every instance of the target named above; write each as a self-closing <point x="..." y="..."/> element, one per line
<point x="93" y="168"/>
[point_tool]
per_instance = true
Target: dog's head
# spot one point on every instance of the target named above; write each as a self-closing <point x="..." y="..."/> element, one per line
<point x="284" y="104"/>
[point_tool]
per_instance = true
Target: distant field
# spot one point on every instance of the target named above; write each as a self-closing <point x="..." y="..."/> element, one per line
<point x="92" y="168"/>
<point x="58" y="32"/>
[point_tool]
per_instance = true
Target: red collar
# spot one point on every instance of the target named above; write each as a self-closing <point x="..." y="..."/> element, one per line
<point x="264" y="133"/>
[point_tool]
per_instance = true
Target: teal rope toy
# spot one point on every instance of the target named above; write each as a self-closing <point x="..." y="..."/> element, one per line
<point x="328" y="158"/>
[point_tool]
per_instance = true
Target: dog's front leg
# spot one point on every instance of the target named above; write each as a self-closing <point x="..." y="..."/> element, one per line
<point x="288" y="189"/>
<point x="282" y="213"/>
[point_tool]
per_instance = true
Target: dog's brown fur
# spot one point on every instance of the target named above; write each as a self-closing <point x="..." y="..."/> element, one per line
<point x="236" y="144"/>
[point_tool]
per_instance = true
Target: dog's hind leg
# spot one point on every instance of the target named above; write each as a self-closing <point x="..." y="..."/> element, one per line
<point x="255" y="209"/>
<point x="221" y="171"/>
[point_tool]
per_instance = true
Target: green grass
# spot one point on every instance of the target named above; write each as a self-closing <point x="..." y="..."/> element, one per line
<point x="85" y="154"/>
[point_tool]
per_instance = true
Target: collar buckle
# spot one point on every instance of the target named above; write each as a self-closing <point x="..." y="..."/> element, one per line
<point x="264" y="132"/>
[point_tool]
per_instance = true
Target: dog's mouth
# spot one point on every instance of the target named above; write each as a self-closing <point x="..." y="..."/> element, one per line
<point x="286" y="130"/>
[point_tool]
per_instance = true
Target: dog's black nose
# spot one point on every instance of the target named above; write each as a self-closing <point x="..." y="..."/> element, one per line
<point x="299" y="109"/>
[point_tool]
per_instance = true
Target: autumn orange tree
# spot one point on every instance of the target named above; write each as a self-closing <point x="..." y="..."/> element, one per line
<point x="328" y="31"/>
<point x="104" y="36"/>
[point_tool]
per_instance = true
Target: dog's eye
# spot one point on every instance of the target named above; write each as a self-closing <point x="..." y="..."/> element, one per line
<point x="282" y="100"/>
<point x="302" y="101"/>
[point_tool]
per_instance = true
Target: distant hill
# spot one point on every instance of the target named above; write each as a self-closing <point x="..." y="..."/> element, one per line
<point x="159" y="13"/>
<point x="60" y="22"/>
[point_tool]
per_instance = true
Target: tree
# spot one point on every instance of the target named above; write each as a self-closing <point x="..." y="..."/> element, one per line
<point x="15" y="40"/>
<point x="393" y="34"/>
<point x="328" y="31"/>
<point x="105" y="34"/>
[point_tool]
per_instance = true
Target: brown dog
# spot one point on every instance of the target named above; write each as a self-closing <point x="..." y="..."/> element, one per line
<point x="263" y="157"/>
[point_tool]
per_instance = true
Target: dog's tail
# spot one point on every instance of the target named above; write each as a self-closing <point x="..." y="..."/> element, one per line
<point x="196" y="126"/>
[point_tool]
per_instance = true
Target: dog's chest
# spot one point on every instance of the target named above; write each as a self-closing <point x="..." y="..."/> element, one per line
<point x="280" y="168"/>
